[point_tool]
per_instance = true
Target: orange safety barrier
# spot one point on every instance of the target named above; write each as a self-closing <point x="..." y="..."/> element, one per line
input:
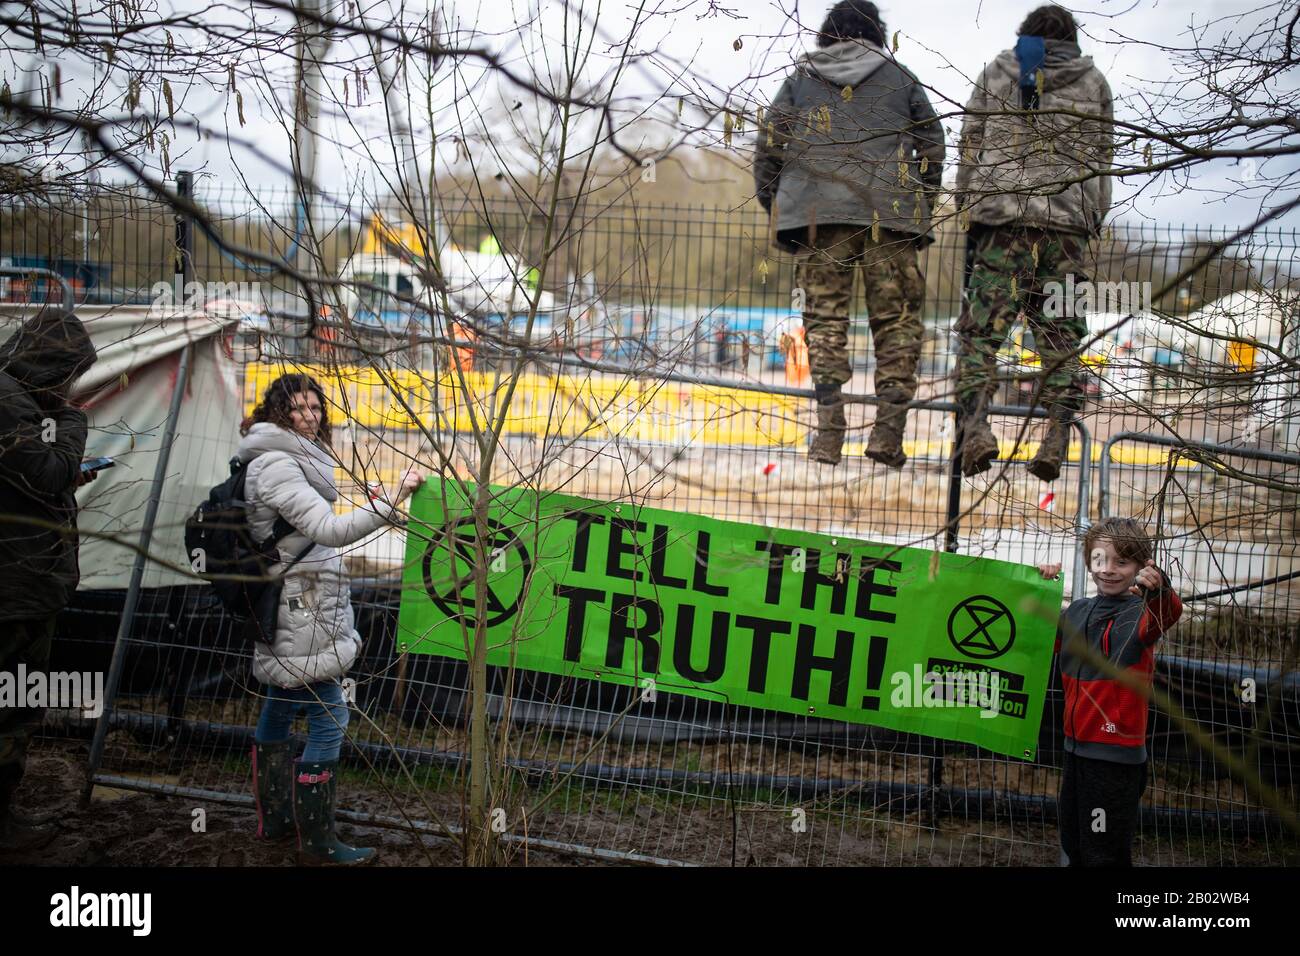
<point x="461" y="355"/>
<point x="795" y="347"/>
<point x="326" y="335"/>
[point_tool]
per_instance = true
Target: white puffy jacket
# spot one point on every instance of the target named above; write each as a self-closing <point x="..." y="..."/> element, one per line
<point x="315" y="636"/>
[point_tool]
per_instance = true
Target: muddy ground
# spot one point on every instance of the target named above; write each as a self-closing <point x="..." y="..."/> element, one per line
<point x="127" y="828"/>
<point x="124" y="828"/>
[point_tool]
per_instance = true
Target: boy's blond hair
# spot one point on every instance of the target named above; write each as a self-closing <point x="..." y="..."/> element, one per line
<point x="1129" y="537"/>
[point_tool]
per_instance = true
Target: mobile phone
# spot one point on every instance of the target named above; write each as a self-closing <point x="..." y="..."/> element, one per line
<point x="92" y="465"/>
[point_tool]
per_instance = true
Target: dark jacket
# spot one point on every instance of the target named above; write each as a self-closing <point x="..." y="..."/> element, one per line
<point x="844" y="142"/>
<point x="1104" y="719"/>
<point x="1038" y="167"/>
<point x="42" y="440"/>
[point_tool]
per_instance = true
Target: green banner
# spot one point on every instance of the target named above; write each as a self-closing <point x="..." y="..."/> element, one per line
<point x="919" y="641"/>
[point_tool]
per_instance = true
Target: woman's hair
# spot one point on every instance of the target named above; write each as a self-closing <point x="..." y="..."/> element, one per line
<point x="1130" y="539"/>
<point x="852" y="20"/>
<point x="277" y="405"/>
<point x="1050" y="22"/>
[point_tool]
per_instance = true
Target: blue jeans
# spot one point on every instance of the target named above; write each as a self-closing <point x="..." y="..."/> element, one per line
<point x="327" y="717"/>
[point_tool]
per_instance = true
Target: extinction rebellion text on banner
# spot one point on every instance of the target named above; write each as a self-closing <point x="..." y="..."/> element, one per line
<point x="941" y="645"/>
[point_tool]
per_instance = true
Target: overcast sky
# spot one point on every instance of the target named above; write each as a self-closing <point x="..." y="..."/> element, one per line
<point x="688" y="49"/>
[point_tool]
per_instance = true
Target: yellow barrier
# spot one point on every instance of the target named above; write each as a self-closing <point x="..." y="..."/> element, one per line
<point x="564" y="406"/>
<point x="597" y="407"/>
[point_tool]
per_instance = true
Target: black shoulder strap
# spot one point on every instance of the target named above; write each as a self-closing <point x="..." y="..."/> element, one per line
<point x="280" y="530"/>
<point x="301" y="554"/>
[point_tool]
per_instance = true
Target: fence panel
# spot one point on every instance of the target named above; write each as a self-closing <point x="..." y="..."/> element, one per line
<point x="696" y="404"/>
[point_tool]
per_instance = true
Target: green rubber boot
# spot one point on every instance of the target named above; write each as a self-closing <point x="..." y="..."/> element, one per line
<point x="273" y="789"/>
<point x="314" y="793"/>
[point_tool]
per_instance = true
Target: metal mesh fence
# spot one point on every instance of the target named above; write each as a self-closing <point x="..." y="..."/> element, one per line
<point x="693" y="399"/>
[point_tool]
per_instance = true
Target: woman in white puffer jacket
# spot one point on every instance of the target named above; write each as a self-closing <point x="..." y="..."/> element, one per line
<point x="291" y="475"/>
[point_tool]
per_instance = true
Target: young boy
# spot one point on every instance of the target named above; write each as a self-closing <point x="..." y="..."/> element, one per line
<point x="1115" y="632"/>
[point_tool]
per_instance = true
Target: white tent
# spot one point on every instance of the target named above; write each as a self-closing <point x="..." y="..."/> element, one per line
<point x="1264" y="316"/>
<point x="127" y="395"/>
<point x="1241" y="322"/>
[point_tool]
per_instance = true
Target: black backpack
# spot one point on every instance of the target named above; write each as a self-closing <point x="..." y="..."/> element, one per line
<point x="218" y="534"/>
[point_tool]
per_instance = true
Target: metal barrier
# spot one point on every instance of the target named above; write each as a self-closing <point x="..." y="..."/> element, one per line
<point x="69" y="300"/>
<point x="1170" y="441"/>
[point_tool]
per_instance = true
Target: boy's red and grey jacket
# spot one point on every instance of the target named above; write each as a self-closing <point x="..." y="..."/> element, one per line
<point x="1104" y="719"/>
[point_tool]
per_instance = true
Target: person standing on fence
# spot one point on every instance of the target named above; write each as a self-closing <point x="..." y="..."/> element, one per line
<point x="42" y="440"/>
<point x="291" y="474"/>
<point x="1036" y="144"/>
<point x="1106" y="651"/>
<point x="847" y="163"/>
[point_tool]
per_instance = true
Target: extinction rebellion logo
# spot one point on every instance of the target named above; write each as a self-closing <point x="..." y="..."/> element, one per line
<point x="448" y="572"/>
<point x="981" y="627"/>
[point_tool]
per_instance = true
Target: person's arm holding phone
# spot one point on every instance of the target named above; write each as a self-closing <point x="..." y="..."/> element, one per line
<point x="90" y="469"/>
<point x="42" y="451"/>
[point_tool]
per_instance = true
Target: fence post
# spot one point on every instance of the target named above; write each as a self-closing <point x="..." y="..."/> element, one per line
<point x="950" y="544"/>
<point x="185" y="262"/>
<point x="958" y="439"/>
<point x="953" y="512"/>
<point x="184" y="231"/>
<point x="1082" y="519"/>
<point x="954" y="485"/>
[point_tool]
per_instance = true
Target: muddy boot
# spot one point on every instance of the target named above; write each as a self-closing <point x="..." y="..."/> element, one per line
<point x="979" y="449"/>
<point x="979" y="446"/>
<point x="314" y="793"/>
<point x="831" y="425"/>
<point x="21" y="832"/>
<point x="17" y="835"/>
<point x="273" y="789"/>
<point x="886" y="442"/>
<point x="1046" y="464"/>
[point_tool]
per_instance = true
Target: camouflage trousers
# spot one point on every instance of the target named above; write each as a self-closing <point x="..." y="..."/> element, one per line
<point x="21" y="642"/>
<point x="895" y="290"/>
<point x="1013" y="270"/>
